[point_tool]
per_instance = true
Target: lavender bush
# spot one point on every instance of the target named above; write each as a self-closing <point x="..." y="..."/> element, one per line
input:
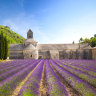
<point x="55" y="87"/>
<point x="82" y="87"/>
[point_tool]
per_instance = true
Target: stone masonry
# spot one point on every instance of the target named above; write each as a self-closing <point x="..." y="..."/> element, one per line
<point x="30" y="49"/>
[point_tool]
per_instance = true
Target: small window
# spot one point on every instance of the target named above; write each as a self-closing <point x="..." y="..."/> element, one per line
<point x="29" y="36"/>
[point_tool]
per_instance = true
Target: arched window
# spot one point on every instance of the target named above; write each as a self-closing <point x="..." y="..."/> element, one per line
<point x="29" y="36"/>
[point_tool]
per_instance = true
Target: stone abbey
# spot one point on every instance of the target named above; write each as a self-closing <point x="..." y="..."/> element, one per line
<point x="30" y="49"/>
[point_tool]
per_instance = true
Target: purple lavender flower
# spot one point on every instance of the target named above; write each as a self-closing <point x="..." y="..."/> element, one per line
<point x="82" y="87"/>
<point x="8" y="85"/>
<point x="55" y="87"/>
<point x="31" y="87"/>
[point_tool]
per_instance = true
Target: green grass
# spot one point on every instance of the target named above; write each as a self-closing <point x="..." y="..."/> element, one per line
<point x="28" y="93"/>
<point x="83" y="90"/>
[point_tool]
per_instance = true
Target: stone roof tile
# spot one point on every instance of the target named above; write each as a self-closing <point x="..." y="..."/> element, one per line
<point x="15" y="46"/>
<point x="31" y="40"/>
<point x="61" y="46"/>
<point x="30" y="47"/>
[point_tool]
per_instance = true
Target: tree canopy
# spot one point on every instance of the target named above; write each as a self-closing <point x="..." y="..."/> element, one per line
<point x="91" y="41"/>
<point x="12" y="37"/>
<point x="3" y="46"/>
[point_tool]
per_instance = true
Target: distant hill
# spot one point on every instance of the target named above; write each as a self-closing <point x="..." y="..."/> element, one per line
<point x="11" y="35"/>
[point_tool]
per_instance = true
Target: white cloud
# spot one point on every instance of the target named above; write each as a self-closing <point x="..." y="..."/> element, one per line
<point x="22" y="23"/>
<point x="83" y="27"/>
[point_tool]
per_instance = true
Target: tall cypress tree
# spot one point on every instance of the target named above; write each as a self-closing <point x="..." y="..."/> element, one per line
<point x="0" y="45"/>
<point x="3" y="47"/>
<point x="3" y="55"/>
<point x="6" y="49"/>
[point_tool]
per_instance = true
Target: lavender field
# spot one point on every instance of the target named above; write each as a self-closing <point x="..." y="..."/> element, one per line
<point x="48" y="78"/>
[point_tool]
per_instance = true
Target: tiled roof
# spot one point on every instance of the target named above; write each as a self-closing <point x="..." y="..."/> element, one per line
<point x="61" y="46"/>
<point x="31" y="40"/>
<point x="49" y="46"/>
<point x="15" y="47"/>
<point x="30" y="47"/>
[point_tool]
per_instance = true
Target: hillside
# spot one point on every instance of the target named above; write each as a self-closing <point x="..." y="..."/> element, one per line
<point x="11" y="35"/>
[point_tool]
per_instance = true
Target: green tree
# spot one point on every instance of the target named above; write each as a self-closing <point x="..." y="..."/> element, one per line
<point x="6" y="49"/>
<point x="81" y="40"/>
<point x="1" y="51"/>
<point x="93" y="42"/>
<point x="3" y="47"/>
<point x="94" y="35"/>
<point x="11" y="35"/>
<point x="73" y="42"/>
<point x="86" y="40"/>
<point x="0" y="46"/>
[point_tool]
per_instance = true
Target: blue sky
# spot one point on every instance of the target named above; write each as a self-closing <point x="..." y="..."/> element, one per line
<point x="52" y="21"/>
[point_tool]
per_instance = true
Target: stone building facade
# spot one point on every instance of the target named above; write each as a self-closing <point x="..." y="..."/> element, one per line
<point x="30" y="49"/>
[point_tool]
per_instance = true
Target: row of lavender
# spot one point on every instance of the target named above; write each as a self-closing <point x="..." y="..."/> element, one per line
<point x="54" y="85"/>
<point x="12" y="73"/>
<point x="83" y="82"/>
<point x="82" y="78"/>
<point x="32" y="85"/>
<point x="88" y="64"/>
<point x="84" y="74"/>
<point x="84" y="66"/>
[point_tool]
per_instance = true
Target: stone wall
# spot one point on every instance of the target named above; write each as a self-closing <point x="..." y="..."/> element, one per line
<point x="43" y="54"/>
<point x="30" y="54"/>
<point x="54" y="54"/>
<point x="75" y="54"/>
<point x="94" y="53"/>
<point x="16" y="55"/>
<point x="87" y="54"/>
<point x="51" y="51"/>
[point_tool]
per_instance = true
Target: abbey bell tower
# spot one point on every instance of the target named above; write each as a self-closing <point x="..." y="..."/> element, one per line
<point x="29" y="34"/>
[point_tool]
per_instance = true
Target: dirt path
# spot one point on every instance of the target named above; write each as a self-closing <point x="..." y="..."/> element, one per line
<point x="43" y="84"/>
<point x="16" y="91"/>
<point x="71" y="91"/>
